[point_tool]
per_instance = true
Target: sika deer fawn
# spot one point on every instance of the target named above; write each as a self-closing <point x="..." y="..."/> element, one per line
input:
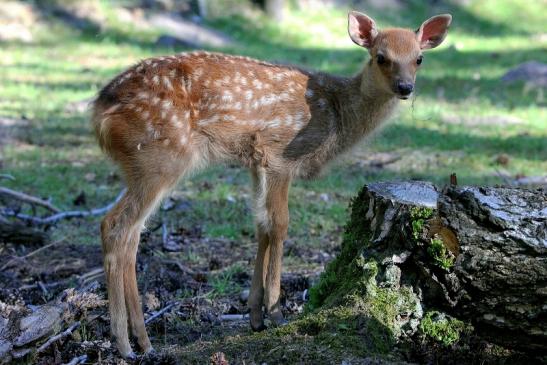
<point x="168" y="116"/>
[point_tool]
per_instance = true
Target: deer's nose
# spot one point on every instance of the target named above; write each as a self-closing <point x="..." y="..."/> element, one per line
<point x="405" y="88"/>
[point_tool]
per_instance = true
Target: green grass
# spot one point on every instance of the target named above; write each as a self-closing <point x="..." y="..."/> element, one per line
<point x="451" y="126"/>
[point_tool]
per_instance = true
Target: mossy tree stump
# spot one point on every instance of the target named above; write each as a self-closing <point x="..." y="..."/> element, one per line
<point x="477" y="254"/>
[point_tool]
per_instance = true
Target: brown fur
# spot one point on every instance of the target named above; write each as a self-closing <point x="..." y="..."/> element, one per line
<point x="166" y="117"/>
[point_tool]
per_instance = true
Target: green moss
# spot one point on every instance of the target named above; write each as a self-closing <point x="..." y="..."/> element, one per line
<point x="348" y="272"/>
<point x="442" y="328"/>
<point x="418" y="216"/>
<point x="440" y="254"/>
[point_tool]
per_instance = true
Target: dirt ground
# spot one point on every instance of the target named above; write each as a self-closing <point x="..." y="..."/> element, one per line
<point x="201" y="281"/>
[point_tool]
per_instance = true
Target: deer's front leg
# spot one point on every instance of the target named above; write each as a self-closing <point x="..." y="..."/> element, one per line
<point x="275" y="226"/>
<point x="272" y="213"/>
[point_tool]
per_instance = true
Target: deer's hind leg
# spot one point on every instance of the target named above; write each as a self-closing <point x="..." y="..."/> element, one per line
<point x="120" y="232"/>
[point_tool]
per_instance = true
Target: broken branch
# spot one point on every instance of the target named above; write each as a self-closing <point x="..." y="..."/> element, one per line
<point x="61" y="335"/>
<point x="28" y="199"/>
<point x="64" y="215"/>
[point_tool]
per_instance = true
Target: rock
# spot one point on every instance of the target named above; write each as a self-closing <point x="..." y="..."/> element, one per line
<point x="533" y="72"/>
<point x="188" y="33"/>
<point x="42" y="322"/>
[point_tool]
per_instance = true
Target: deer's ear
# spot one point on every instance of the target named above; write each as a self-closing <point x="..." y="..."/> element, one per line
<point x="433" y="31"/>
<point x="362" y="29"/>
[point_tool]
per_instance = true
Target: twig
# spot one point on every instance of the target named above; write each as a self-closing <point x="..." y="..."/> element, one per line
<point x="183" y="268"/>
<point x="77" y="360"/>
<point x="161" y="312"/>
<point x="64" y="215"/>
<point x="164" y="234"/>
<point x="61" y="335"/>
<point x="12" y="261"/>
<point x="28" y="199"/>
<point x="43" y="288"/>
<point x="234" y="317"/>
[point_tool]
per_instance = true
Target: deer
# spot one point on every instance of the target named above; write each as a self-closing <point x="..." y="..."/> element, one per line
<point x="169" y="116"/>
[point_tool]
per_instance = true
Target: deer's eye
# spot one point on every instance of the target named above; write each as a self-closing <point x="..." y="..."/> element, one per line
<point x="420" y="60"/>
<point x="380" y="59"/>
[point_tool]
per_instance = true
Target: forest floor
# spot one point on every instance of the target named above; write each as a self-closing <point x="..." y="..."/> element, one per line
<point x="197" y="252"/>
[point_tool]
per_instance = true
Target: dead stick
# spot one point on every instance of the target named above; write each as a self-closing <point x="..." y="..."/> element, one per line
<point x="161" y="312"/>
<point x="28" y="199"/>
<point x="77" y="360"/>
<point x="64" y="215"/>
<point x="12" y="261"/>
<point x="61" y="335"/>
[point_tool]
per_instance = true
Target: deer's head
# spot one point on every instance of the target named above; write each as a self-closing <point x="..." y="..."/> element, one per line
<point x="396" y="54"/>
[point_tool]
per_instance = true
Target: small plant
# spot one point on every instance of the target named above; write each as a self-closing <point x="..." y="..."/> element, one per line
<point x="224" y="283"/>
<point x="442" y="328"/>
<point x="438" y="251"/>
<point x="418" y="216"/>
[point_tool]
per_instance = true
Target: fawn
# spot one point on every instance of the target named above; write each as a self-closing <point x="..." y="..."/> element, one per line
<point x="168" y="116"/>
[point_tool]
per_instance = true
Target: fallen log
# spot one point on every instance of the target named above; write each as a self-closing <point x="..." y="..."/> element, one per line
<point x="476" y="254"/>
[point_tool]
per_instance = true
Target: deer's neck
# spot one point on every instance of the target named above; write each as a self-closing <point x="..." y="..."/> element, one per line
<point x="363" y="106"/>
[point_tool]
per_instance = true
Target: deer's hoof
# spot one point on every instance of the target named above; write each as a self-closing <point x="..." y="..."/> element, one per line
<point x="131" y="356"/>
<point x="259" y="328"/>
<point x="276" y="319"/>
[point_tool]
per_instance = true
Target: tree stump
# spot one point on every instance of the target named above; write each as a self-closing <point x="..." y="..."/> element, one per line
<point x="477" y="254"/>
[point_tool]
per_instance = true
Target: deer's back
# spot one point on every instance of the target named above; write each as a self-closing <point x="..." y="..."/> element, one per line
<point x="215" y="105"/>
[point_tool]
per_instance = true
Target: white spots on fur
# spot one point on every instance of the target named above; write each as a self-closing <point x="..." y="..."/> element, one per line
<point x="175" y="120"/>
<point x="257" y="84"/>
<point x="147" y="62"/>
<point x="227" y="96"/>
<point x="237" y="106"/>
<point x="206" y="83"/>
<point x="167" y="82"/>
<point x="173" y="73"/>
<point x="183" y="140"/>
<point x="187" y="115"/>
<point x="166" y="142"/>
<point x="156" y="80"/>
<point x="248" y="94"/>
<point x="142" y="95"/>
<point x="228" y="118"/>
<point x="243" y="81"/>
<point x="197" y="74"/>
<point x="207" y="121"/>
<point x="167" y="104"/>
<point x="155" y="100"/>
<point x="146" y="114"/>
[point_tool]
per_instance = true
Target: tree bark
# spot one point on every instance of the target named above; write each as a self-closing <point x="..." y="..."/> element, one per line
<point x="479" y="254"/>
